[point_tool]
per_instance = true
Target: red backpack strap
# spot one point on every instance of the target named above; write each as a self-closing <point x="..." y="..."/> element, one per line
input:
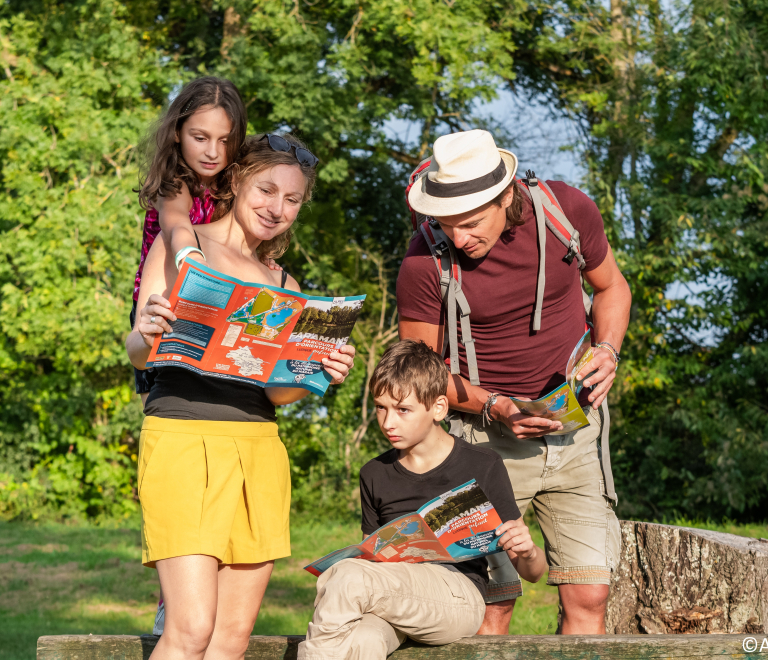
<point x="549" y="214"/>
<point x="420" y="171"/>
<point x="554" y="217"/>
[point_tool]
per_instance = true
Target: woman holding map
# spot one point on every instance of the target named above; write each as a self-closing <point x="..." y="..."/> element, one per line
<point x="214" y="480"/>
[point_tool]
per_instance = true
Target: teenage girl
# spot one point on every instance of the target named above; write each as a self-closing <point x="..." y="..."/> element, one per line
<point x="194" y="146"/>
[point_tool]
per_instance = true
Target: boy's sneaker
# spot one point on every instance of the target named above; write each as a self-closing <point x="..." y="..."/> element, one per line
<point x="159" y="619"/>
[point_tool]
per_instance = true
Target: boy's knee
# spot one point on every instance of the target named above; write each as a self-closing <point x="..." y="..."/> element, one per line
<point x="348" y="568"/>
<point x="374" y="638"/>
<point x="347" y="577"/>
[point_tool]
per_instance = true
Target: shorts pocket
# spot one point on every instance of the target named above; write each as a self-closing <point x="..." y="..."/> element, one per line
<point x="452" y="579"/>
<point x="580" y="542"/>
<point x="148" y="442"/>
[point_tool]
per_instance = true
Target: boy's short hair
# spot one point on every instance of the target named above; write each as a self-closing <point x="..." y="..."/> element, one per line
<point x="410" y="367"/>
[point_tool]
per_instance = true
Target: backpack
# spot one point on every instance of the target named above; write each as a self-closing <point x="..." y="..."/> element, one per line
<point x="549" y="215"/>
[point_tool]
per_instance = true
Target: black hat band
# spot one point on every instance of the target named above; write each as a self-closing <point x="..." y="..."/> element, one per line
<point x="437" y="189"/>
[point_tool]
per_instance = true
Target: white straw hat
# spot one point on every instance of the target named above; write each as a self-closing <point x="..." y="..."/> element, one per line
<point x="467" y="171"/>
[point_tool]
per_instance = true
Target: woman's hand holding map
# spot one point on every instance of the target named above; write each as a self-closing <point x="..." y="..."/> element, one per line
<point x="338" y="363"/>
<point x="153" y="318"/>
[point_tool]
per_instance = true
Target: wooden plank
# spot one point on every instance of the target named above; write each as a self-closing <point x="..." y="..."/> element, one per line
<point x="522" y="647"/>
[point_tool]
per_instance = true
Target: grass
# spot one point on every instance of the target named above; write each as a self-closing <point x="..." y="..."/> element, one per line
<point x="58" y="579"/>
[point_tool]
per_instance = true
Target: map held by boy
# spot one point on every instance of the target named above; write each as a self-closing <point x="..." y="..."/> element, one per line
<point x="459" y="525"/>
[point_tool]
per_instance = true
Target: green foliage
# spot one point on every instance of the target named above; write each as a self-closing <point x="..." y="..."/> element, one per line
<point x="73" y="105"/>
<point x="671" y="102"/>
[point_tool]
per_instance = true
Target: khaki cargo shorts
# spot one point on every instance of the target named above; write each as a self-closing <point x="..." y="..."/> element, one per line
<point x="562" y="477"/>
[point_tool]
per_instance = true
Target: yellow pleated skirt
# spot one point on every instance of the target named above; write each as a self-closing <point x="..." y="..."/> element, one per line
<point x="213" y="488"/>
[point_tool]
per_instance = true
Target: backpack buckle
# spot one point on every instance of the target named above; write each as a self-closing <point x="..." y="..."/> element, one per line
<point x="570" y="255"/>
<point x="441" y="247"/>
<point x="531" y="179"/>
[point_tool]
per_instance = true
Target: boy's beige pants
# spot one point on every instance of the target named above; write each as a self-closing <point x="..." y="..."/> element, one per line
<point x="365" y="610"/>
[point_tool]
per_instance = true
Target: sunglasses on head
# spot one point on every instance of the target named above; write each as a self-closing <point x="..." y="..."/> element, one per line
<point x="304" y="156"/>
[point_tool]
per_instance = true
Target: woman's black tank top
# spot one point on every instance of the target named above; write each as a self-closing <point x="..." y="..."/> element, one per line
<point x="182" y="394"/>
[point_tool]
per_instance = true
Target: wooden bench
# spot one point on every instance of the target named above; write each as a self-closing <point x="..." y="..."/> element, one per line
<point x="523" y="647"/>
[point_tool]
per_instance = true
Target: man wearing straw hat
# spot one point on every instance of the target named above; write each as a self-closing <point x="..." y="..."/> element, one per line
<point x="521" y="312"/>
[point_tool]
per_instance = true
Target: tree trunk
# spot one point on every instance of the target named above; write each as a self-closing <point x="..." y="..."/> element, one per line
<point x="682" y="580"/>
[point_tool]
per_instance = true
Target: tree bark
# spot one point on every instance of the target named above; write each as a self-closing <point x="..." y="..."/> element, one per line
<point x="675" y="580"/>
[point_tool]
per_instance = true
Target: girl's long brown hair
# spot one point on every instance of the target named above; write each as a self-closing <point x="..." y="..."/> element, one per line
<point x="256" y="156"/>
<point x="167" y="169"/>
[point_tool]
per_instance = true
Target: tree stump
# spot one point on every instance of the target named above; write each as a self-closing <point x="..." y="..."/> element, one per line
<point x="674" y="580"/>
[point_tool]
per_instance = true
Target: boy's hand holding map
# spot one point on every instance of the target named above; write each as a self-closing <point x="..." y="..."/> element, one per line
<point x="514" y="536"/>
<point x="250" y="332"/>
<point x="562" y="403"/>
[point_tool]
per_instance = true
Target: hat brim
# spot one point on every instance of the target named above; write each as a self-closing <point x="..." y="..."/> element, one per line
<point x="423" y="203"/>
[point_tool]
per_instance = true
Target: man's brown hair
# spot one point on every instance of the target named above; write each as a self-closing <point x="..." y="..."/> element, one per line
<point x="410" y="367"/>
<point x="515" y="209"/>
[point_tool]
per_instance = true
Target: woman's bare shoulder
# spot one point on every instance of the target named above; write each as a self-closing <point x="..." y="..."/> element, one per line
<point x="292" y="285"/>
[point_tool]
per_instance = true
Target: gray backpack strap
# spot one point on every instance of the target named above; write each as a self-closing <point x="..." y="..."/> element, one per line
<point x="573" y="243"/>
<point x="466" y="337"/>
<point x="442" y="259"/>
<point x="571" y="240"/>
<point x="536" y="196"/>
<point x="444" y="256"/>
<point x="605" y="452"/>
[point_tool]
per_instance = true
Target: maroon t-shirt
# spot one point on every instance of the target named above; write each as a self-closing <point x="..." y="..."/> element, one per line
<point x="501" y="291"/>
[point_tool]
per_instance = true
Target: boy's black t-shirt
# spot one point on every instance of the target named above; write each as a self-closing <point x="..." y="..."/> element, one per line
<point x="388" y="491"/>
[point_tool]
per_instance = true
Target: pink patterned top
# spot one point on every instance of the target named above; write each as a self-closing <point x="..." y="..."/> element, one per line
<point x="200" y="214"/>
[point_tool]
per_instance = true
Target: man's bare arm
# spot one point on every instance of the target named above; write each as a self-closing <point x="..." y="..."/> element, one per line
<point x="610" y="316"/>
<point x="470" y="398"/>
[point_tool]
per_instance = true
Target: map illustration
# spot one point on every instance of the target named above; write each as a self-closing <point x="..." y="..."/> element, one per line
<point x="407" y="530"/>
<point x="422" y="553"/>
<point x="266" y="314"/>
<point x="244" y="360"/>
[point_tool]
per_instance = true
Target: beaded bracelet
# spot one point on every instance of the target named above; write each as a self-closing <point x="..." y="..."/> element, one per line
<point x="614" y="353"/>
<point x="487" y="408"/>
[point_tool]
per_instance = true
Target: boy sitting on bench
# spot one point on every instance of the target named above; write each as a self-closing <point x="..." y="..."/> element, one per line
<point x="365" y="610"/>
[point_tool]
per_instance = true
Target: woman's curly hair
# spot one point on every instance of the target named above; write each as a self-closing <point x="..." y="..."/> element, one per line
<point x="256" y="156"/>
